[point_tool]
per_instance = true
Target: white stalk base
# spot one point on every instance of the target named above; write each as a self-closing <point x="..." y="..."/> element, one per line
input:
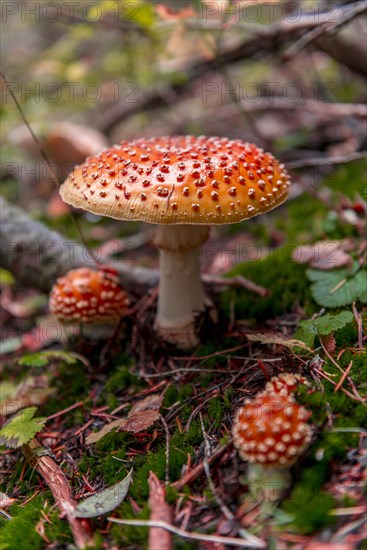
<point x="268" y="483"/>
<point x="181" y="293"/>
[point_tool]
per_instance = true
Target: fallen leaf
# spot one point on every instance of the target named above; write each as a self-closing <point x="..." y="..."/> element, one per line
<point x="275" y="339"/>
<point x="142" y="415"/>
<point x="104" y="501"/>
<point x="323" y="255"/>
<point x="33" y="390"/>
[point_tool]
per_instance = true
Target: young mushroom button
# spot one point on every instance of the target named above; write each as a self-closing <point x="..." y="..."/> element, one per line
<point x="183" y="184"/>
<point x="93" y="299"/>
<point x="271" y="432"/>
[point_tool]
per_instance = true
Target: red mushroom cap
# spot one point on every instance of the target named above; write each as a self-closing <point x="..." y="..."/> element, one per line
<point x="87" y="296"/>
<point x="271" y="430"/>
<point x="179" y="180"/>
<point x="285" y="384"/>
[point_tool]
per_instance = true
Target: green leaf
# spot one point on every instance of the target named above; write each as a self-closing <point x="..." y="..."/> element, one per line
<point x="21" y="428"/>
<point x="327" y="324"/>
<point x="339" y="287"/>
<point x="105" y="501"/>
<point x="42" y="358"/>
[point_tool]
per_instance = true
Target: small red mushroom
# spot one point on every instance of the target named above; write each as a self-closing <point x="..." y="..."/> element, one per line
<point x="87" y="297"/>
<point x="285" y="384"/>
<point x="271" y="432"/>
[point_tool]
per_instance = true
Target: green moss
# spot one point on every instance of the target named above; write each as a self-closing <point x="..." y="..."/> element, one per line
<point x="19" y="533"/>
<point x="107" y="458"/>
<point x="175" y="394"/>
<point x="310" y="509"/>
<point x="72" y="385"/>
<point x="120" y="379"/>
<point x="214" y="413"/>
<point x="57" y="530"/>
<point x="156" y="462"/>
<point x="124" y="535"/>
<point x="285" y="279"/>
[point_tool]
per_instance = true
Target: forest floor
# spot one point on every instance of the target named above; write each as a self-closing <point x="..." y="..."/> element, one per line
<point x="310" y="322"/>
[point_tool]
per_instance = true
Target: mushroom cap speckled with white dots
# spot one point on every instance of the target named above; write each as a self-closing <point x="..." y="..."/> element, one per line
<point x="285" y="383"/>
<point x="271" y="430"/>
<point x="178" y="180"/>
<point x="87" y="296"/>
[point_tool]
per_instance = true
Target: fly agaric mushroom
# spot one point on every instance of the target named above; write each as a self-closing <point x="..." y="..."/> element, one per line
<point x="93" y="299"/>
<point x="184" y="184"/>
<point x="285" y="384"/>
<point x="271" y="432"/>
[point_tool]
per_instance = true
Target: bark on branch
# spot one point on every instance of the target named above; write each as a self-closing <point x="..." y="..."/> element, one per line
<point x="266" y="40"/>
<point x="37" y="256"/>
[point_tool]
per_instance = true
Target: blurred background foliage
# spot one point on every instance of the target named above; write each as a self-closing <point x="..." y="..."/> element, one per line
<point x="94" y="63"/>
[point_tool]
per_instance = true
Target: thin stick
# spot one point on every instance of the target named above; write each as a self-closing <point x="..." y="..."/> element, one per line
<point x="322" y="161"/>
<point x="225" y="510"/>
<point x="64" y="411"/>
<point x="253" y="542"/>
<point x="198" y="470"/>
<point x="239" y="280"/>
<point x="341" y="381"/>
<point x="166" y="429"/>
<point x="358" y="319"/>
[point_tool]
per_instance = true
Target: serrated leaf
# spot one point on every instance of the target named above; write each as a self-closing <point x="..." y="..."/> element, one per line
<point x="42" y="358"/>
<point x="104" y="501"/>
<point x="142" y="415"/>
<point x="339" y="287"/>
<point x="280" y="340"/>
<point x="323" y="326"/>
<point x="21" y="428"/>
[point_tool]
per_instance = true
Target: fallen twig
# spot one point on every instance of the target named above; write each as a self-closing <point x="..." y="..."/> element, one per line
<point x="199" y="469"/>
<point x="159" y="539"/>
<point x="239" y="281"/>
<point x="61" y="491"/>
<point x="324" y="161"/>
<point x="253" y="542"/>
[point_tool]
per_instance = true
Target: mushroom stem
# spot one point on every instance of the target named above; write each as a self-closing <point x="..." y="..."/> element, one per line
<point x="181" y="293"/>
<point x="268" y="483"/>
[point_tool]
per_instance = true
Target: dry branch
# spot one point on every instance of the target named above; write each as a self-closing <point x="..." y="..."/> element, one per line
<point x="266" y="40"/>
<point x="252" y="542"/>
<point x="159" y="539"/>
<point x="61" y="491"/>
<point x="37" y="256"/>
